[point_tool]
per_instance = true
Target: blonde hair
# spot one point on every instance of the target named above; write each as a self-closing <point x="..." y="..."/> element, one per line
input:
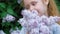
<point x="52" y="8"/>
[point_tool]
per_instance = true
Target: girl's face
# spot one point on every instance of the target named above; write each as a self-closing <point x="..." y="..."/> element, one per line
<point x="39" y="5"/>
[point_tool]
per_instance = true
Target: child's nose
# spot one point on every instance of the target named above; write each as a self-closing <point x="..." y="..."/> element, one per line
<point x="31" y="8"/>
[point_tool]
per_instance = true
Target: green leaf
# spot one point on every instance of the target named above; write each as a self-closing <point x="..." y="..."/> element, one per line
<point x="2" y="5"/>
<point x="13" y="27"/>
<point x="3" y="14"/>
<point x="6" y="24"/>
<point x="10" y="11"/>
<point x="20" y="27"/>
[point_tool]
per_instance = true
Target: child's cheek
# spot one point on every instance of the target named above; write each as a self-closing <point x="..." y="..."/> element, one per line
<point x="41" y="9"/>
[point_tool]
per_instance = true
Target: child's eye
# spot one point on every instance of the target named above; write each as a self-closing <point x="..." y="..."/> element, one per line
<point x="33" y="3"/>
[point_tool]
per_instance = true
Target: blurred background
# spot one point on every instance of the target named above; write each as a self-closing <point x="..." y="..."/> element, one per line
<point x="13" y="8"/>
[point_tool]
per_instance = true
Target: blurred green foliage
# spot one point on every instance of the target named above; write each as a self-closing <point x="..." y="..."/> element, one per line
<point x="58" y="4"/>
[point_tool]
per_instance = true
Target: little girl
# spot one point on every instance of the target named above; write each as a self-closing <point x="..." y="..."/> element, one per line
<point x="43" y="7"/>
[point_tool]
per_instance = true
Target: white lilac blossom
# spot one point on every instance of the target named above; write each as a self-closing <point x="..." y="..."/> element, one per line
<point x="51" y="20"/>
<point x="17" y="31"/>
<point x="1" y="32"/>
<point x="34" y="12"/>
<point x="29" y="14"/>
<point x="23" y="22"/>
<point x="56" y="18"/>
<point x="25" y="14"/>
<point x="32" y="21"/>
<point x="23" y="30"/>
<point x="44" y="29"/>
<point x="34" y="31"/>
<point x="8" y="18"/>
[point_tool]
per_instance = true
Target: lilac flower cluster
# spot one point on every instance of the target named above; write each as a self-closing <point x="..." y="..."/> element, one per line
<point x="8" y="18"/>
<point x="36" y="24"/>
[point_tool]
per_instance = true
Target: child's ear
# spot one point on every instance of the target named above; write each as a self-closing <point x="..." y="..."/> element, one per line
<point x="45" y="2"/>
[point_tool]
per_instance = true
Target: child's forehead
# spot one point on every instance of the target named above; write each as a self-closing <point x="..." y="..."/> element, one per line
<point x="29" y="1"/>
<point x="26" y="2"/>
